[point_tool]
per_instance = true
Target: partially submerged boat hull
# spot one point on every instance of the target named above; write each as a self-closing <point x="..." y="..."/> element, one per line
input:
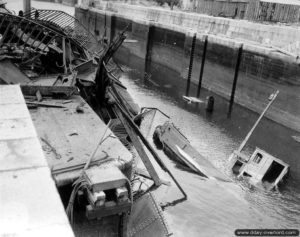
<point x="177" y="147"/>
<point x="262" y="169"/>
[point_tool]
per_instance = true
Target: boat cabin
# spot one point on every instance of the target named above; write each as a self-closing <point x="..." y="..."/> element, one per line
<point x="262" y="169"/>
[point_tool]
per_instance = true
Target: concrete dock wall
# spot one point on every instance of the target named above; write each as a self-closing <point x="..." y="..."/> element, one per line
<point x="168" y="44"/>
<point x="65" y="2"/>
<point x="266" y="35"/>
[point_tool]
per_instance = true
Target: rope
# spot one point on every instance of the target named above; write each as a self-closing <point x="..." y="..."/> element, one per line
<point x="81" y="183"/>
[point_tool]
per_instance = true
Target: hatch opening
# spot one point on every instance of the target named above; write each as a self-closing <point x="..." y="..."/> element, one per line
<point x="273" y="172"/>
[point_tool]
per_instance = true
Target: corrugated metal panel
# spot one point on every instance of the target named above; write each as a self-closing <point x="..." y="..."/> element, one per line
<point x="267" y="11"/>
<point x="286" y="11"/>
<point x="224" y="8"/>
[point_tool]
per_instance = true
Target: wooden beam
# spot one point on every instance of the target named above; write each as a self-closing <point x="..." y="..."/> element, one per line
<point x="43" y="104"/>
<point x="139" y="147"/>
<point x="64" y="55"/>
<point x="11" y="74"/>
<point x="48" y="90"/>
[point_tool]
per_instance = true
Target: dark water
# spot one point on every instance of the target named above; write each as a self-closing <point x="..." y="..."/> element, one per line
<point x="215" y="136"/>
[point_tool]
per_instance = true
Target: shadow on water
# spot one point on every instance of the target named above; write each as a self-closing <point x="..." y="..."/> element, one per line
<point x="216" y="135"/>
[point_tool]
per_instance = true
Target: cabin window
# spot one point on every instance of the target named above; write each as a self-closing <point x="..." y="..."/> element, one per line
<point x="257" y="158"/>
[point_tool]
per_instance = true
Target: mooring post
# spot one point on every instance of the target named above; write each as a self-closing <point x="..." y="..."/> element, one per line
<point x="113" y="29"/>
<point x="210" y="101"/>
<point x="190" y="65"/>
<point x="202" y="65"/>
<point x="149" y="46"/>
<point x="236" y="74"/>
<point x="26" y="6"/>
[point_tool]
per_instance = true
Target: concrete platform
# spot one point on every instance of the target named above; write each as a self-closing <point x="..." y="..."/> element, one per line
<point x="29" y="202"/>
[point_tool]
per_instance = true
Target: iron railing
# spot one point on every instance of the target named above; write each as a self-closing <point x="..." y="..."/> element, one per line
<point x="20" y="31"/>
<point x="69" y="25"/>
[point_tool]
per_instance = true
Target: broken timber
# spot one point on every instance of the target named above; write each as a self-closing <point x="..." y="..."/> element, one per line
<point x="135" y="129"/>
<point x="49" y="90"/>
<point x="139" y="147"/>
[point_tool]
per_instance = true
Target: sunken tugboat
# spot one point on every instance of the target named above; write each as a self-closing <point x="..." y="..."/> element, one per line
<point x="89" y="146"/>
<point x="261" y="169"/>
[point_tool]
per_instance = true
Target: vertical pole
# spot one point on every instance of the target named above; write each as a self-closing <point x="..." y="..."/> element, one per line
<point x="236" y="74"/>
<point x="202" y="65"/>
<point x="190" y="65"/>
<point x="104" y="34"/>
<point x="149" y="43"/>
<point x="139" y="147"/>
<point x="271" y="98"/>
<point x="149" y="46"/>
<point x="26" y="6"/>
<point x="64" y="55"/>
<point x="112" y="27"/>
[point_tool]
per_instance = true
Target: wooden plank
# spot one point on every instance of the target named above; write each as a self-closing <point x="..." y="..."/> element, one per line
<point x="11" y="74"/>
<point x="144" y="174"/>
<point x="140" y="149"/>
<point x="43" y="104"/>
<point x="49" y="90"/>
<point x="64" y="55"/>
<point x="87" y="66"/>
<point x="26" y="38"/>
<point x="67" y="153"/>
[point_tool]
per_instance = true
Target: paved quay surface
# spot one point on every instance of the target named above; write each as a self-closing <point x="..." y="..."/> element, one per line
<point x="29" y="202"/>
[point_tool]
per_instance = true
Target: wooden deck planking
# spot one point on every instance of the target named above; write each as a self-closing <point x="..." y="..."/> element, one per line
<point x="29" y="202"/>
<point x="74" y="136"/>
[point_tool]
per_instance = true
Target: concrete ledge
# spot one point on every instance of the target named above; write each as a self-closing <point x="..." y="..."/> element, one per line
<point x="71" y="3"/>
<point x="30" y="203"/>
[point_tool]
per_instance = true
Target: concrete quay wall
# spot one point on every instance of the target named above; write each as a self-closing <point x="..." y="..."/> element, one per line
<point x="275" y="35"/>
<point x="262" y="69"/>
<point x="65" y="2"/>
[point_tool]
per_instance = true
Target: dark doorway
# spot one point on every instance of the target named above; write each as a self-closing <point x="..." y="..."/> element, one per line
<point x="273" y="172"/>
<point x="237" y="166"/>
